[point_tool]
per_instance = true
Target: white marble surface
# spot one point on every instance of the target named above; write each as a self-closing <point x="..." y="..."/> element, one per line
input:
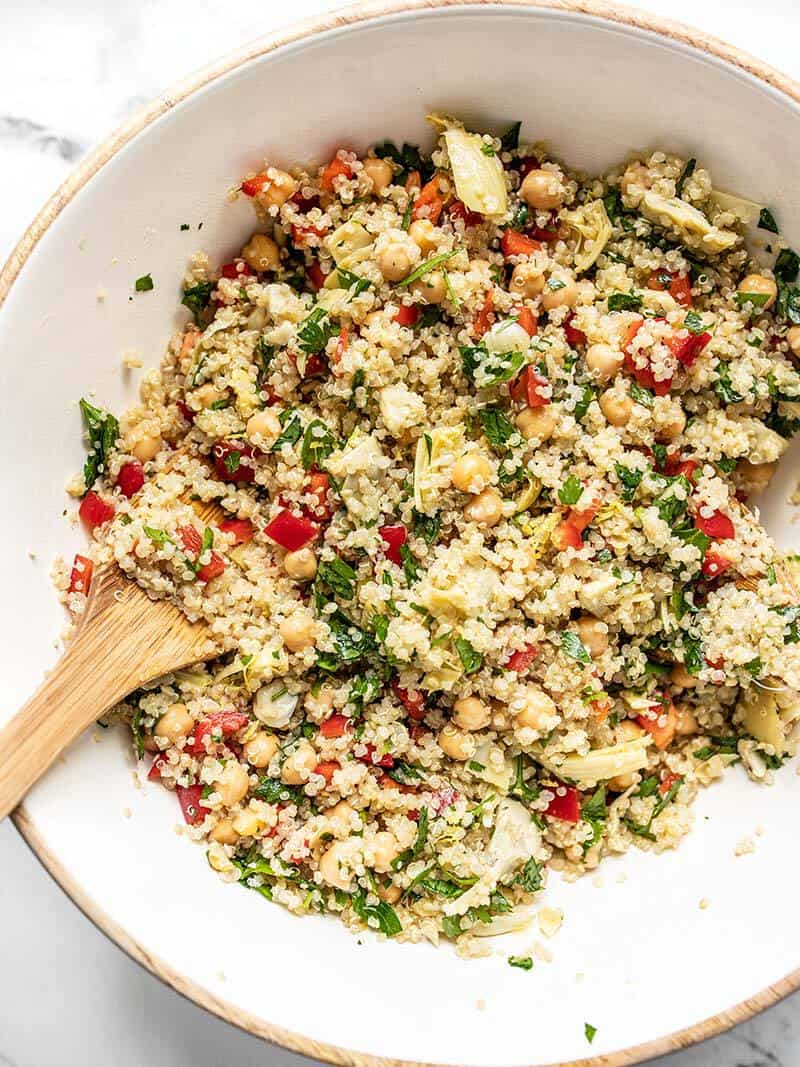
<point x="69" y="72"/>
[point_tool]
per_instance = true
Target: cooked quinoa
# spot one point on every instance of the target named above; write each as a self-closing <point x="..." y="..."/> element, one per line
<point x="491" y="594"/>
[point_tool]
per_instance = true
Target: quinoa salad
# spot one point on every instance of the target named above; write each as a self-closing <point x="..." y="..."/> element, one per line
<point x="488" y="592"/>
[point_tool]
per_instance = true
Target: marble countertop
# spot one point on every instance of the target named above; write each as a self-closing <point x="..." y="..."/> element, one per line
<point x="69" y="73"/>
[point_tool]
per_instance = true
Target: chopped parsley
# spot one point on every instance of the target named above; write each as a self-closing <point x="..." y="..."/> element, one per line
<point x="382" y="914"/>
<point x="489" y="368"/>
<point x="496" y="426"/>
<point x="318" y="443"/>
<point x="640" y="395"/>
<point x="766" y="221"/>
<point x="571" y="491"/>
<point x="338" y="577"/>
<point x="315" y="331"/>
<point x="292" y="429"/>
<point x="420" y="840"/>
<point x="630" y="479"/>
<point x="103" y="434"/>
<point x="631" y="301"/>
<point x="197" y="298"/>
<point x="510" y="139"/>
<point x="572" y="646"/>
<point x="143" y="284"/>
<point x="590" y="1032"/>
<point x="471" y="660"/>
<point x="525" y="963"/>
<point x="426" y="267"/>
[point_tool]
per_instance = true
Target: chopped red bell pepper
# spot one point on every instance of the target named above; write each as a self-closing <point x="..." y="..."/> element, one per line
<point x="407" y="315"/>
<point x="485" y="317"/>
<point x="371" y="756"/>
<point x="643" y="375"/>
<point x="574" y="336"/>
<point x="667" y="782"/>
<point x="94" y="510"/>
<point x="341" y="345"/>
<point x="242" y="530"/>
<point x="514" y="243"/>
<point x="385" y="781"/>
<point x="193" y="544"/>
<point x="130" y="478"/>
<point x="531" y="388"/>
<point x="580" y="518"/>
<point x="715" y="564"/>
<point x="567" y="535"/>
<point x="185" y="411"/>
<point x="528" y="321"/>
<point x="566" y="805"/>
<point x="687" y="349"/>
<point x="717" y="526"/>
<point x="189" y="797"/>
<point x="662" y="733"/>
<point x="327" y="769"/>
<point x="253" y="186"/>
<point x="428" y="203"/>
<point x="315" y="274"/>
<point x="413" y="702"/>
<point x="674" y="466"/>
<point x="217" y="725"/>
<point x="394" y="537"/>
<point x="679" y="285"/>
<point x="319" y="486"/>
<point x="291" y="531"/>
<point x="542" y="233"/>
<point x="237" y="269"/>
<point x="337" y="168"/>
<point x="459" y="210"/>
<point x="335" y="726"/>
<point x="233" y="461"/>
<point x="302" y="232"/>
<point x="154" y="774"/>
<point x="413" y="181"/>
<point x="520" y="660"/>
<point x="80" y="577"/>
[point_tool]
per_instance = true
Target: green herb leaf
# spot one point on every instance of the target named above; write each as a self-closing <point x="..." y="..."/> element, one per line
<point x="766" y="221"/>
<point x="485" y="368"/>
<point x="410" y="567"/>
<point x="427" y="527"/>
<point x="426" y="267"/>
<point x="273" y="790"/>
<point x="383" y="914"/>
<point x="315" y="331"/>
<point x="197" y="298"/>
<point x="525" y="963"/>
<point x="350" y="642"/>
<point x="510" y="139"/>
<point x="337" y="576"/>
<point x="572" y="646"/>
<point x="103" y="435"/>
<point x="630" y="479"/>
<point x="694" y="323"/>
<point x="631" y="301"/>
<point x="717" y="746"/>
<point x="519" y="787"/>
<point x="571" y="491"/>
<point x="292" y="429"/>
<point x="353" y="282"/>
<point x="318" y="443"/>
<point x="640" y="395"/>
<point x="530" y="877"/>
<point x="587" y="396"/>
<point x="496" y="426"/>
<point x="420" y="840"/>
<point x="787" y="266"/>
<point x="723" y="387"/>
<point x="408" y="214"/>
<point x="471" y="660"/>
<point x="688" y="171"/>
<point x="143" y="284"/>
<point x="590" y="1032"/>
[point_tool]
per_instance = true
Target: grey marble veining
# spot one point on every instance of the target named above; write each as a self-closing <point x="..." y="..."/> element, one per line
<point x="69" y="72"/>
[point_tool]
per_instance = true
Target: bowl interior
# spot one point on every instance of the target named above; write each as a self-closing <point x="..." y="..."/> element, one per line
<point x="637" y="956"/>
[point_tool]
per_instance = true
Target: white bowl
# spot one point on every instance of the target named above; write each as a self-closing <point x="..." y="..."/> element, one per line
<point x="637" y="957"/>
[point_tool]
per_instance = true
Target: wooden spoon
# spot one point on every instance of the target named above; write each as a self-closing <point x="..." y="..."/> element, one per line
<point x="124" y="640"/>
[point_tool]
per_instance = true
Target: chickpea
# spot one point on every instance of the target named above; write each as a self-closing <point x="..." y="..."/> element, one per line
<point x="793" y="340"/>
<point x="755" y="476"/>
<point x="385" y="848"/>
<point x="537" y="709"/>
<point x="261" y="253"/>
<point x="424" y="235"/>
<point x="300" y="564"/>
<point x="486" y="509"/>
<point x="469" y="714"/>
<point x="224" y="833"/>
<point x="341" y="812"/>
<point x="207" y="395"/>
<point x="390" y="893"/>
<point x="395" y="261"/>
<point x="248" y="823"/>
<point x="145" y="446"/>
<point x="471" y="472"/>
<point x="263" y="427"/>
<point x="232" y="783"/>
<point x="628" y="730"/>
<point x="685" y="723"/>
<point x="431" y="288"/>
<point x="680" y="676"/>
<point x="380" y="173"/>
<point x="620" y="782"/>
<point x="527" y="281"/>
<point x="174" y="723"/>
<point x="542" y="189"/>
<point x="299" y="764"/>
<point x="539" y="423"/>
<point x="759" y="286"/>
<point x="593" y="634"/>
<point x="334" y="867"/>
<point x="320" y="705"/>
<point x="260" y="749"/>
<point x="298" y="631"/>
<point x="280" y="187"/>
<point x="616" y="407"/>
<point x="604" y="360"/>
<point x="560" y="291"/>
<point x="456" y="744"/>
<point x="672" y="423"/>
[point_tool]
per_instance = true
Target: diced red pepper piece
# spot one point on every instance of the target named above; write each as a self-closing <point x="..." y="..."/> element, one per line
<point x="528" y="321"/>
<point x="580" y="518"/>
<point x="337" y="168"/>
<point x="319" y="486"/>
<point x="413" y="702"/>
<point x="242" y="530"/>
<point x="542" y="233"/>
<point x="315" y="274"/>
<point x="185" y="411"/>
<point x="567" y="806"/>
<point x="529" y="386"/>
<point x="574" y="336"/>
<point x="714" y="563"/>
<point x="394" y="537"/>
<point x="302" y="232"/>
<point x="335" y="726"/>
<point x="80" y="577"/>
<point x="459" y="210"/>
<point x="130" y="478"/>
<point x="193" y="544"/>
<point x="189" y="799"/>
<point x="237" y="269"/>
<point x="514" y="243"/>
<point x="687" y="349"/>
<point x="387" y="782"/>
<point x="662" y="733"/>
<point x="233" y="461"/>
<point x="679" y="285"/>
<point x="303" y="203"/>
<point x="428" y="203"/>
<point x="341" y="345"/>
<point x="526" y="165"/>
<point x="327" y="769"/>
<point x="413" y="181"/>
<point x="212" y="569"/>
<point x="520" y="660"/>
<point x="717" y="526"/>
<point x="154" y="774"/>
<point x="667" y="782"/>
<point x="485" y="317"/>
<point x="214" y="727"/>
<point x="371" y="756"/>
<point x="407" y="315"/>
<point x="291" y="531"/>
<point x="643" y="375"/>
<point x="674" y="466"/>
<point x="94" y="510"/>
<point x="567" y="535"/>
<point x="253" y="186"/>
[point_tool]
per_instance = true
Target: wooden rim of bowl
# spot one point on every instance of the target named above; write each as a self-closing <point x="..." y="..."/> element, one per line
<point x="94" y="161"/>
